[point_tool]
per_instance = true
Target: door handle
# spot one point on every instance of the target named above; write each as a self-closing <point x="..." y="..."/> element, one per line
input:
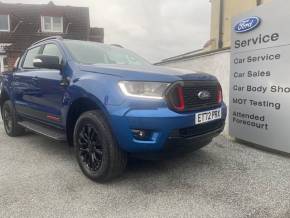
<point x="65" y="81"/>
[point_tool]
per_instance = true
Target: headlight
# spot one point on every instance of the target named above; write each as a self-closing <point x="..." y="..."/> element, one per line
<point x="152" y="90"/>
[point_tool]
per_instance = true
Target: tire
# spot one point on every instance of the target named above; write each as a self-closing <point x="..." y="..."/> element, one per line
<point x="97" y="152"/>
<point x="12" y="128"/>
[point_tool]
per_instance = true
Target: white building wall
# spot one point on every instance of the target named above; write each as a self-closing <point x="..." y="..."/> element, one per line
<point x="217" y="64"/>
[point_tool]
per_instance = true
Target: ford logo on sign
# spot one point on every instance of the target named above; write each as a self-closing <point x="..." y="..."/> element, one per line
<point x="247" y="24"/>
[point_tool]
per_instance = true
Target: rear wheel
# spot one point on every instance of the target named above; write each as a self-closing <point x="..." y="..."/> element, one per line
<point x="97" y="152"/>
<point x="10" y="120"/>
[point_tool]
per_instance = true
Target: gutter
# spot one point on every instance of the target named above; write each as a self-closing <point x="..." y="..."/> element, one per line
<point x="197" y="55"/>
<point x="221" y="24"/>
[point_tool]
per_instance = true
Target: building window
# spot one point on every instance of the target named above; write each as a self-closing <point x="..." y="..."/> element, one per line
<point x="52" y="24"/>
<point x="4" y="23"/>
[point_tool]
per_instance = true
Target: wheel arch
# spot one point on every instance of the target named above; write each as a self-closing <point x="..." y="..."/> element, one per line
<point x="78" y="107"/>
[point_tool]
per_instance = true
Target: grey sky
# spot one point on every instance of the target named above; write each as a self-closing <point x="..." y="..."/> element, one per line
<point x="155" y="29"/>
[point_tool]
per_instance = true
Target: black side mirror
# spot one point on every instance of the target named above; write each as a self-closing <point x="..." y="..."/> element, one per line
<point x="47" y="61"/>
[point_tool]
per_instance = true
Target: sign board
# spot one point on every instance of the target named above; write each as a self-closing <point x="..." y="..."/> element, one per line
<point x="260" y="76"/>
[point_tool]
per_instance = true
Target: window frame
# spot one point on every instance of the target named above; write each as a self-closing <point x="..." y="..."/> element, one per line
<point x="25" y="56"/>
<point x="59" y="49"/>
<point x="40" y="52"/>
<point x="51" y="24"/>
<point x="8" y="20"/>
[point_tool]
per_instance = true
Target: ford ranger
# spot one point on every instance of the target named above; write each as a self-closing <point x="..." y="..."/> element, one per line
<point x="108" y="103"/>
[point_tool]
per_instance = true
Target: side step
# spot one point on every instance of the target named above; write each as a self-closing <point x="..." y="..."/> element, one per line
<point x="48" y="131"/>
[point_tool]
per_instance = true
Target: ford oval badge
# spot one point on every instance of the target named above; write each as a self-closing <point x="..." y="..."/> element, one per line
<point x="204" y="95"/>
<point x="247" y="24"/>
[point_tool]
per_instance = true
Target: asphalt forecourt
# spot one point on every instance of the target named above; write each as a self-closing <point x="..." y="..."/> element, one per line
<point x="40" y="178"/>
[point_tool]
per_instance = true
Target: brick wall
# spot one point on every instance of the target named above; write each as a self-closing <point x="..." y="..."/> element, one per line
<point x="25" y="23"/>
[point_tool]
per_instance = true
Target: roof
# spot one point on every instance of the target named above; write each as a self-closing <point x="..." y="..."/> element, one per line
<point x="48" y="38"/>
<point x="190" y="55"/>
<point x="182" y="55"/>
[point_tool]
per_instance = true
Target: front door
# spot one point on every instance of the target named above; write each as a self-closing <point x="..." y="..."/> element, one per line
<point x="52" y="92"/>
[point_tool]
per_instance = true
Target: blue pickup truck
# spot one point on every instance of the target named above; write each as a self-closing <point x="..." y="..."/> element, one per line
<point x="108" y="103"/>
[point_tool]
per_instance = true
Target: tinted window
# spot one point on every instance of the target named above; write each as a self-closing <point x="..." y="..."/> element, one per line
<point x="30" y="55"/>
<point x="52" y="50"/>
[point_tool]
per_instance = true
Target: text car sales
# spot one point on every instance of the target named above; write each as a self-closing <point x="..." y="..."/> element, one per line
<point x="253" y="74"/>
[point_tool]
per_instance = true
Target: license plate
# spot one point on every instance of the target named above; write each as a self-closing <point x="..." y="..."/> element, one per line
<point x="207" y="116"/>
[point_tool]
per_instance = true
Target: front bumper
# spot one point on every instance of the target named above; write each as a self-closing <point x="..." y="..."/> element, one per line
<point x="167" y="128"/>
<point x="194" y="140"/>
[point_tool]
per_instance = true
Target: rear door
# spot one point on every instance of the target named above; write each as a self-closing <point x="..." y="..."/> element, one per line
<point x="25" y="84"/>
<point x="38" y="92"/>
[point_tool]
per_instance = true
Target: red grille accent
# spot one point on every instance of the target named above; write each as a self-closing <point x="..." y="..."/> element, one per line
<point x="181" y="105"/>
<point x="219" y="94"/>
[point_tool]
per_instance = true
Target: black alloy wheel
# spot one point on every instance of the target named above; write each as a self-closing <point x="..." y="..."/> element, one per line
<point x="7" y="119"/>
<point x="90" y="147"/>
<point x="98" y="154"/>
<point x="12" y="128"/>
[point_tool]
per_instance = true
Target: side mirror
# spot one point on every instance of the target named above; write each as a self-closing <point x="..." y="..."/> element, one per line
<point x="48" y="62"/>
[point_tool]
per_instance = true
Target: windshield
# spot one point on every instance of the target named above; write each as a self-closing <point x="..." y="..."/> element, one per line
<point x="86" y="52"/>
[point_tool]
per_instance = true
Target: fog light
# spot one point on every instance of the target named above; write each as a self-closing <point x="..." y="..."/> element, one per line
<point x="140" y="134"/>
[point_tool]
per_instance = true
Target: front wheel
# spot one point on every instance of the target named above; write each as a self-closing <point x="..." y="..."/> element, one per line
<point x="97" y="152"/>
<point x="12" y="128"/>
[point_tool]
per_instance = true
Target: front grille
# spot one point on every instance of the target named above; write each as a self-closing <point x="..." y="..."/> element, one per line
<point x="191" y="90"/>
<point x="192" y="101"/>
